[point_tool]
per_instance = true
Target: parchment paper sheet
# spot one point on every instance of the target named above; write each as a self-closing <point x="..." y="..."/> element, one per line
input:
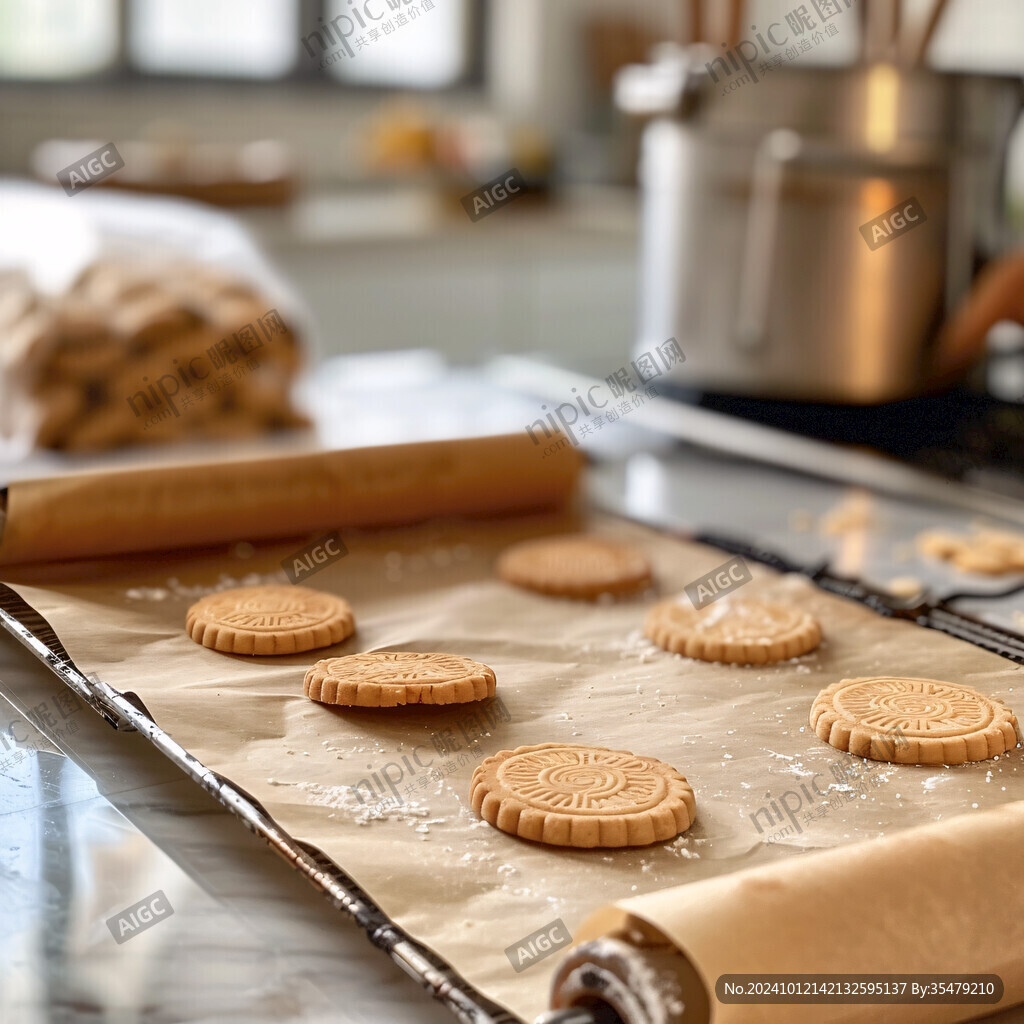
<point x="566" y="672"/>
<point x="944" y="898"/>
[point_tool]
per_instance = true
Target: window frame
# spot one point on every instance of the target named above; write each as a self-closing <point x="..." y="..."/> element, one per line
<point x="304" y="78"/>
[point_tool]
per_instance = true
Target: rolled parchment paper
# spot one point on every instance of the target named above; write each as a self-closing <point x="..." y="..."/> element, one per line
<point x="946" y="898"/>
<point x="170" y="507"/>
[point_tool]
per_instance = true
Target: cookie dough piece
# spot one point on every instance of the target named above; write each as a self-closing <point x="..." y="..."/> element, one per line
<point x="269" y="620"/>
<point x="566" y="794"/>
<point x="386" y="679"/>
<point x="983" y="559"/>
<point x="1008" y="546"/>
<point x="989" y="552"/>
<point x="575" y="566"/>
<point x="939" y="544"/>
<point x="913" y="721"/>
<point x="905" y="586"/>
<point x="733" y="630"/>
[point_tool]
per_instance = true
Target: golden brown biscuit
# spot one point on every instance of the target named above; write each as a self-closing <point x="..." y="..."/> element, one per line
<point x="986" y="551"/>
<point x="109" y="283"/>
<point x="263" y="391"/>
<point x="57" y="409"/>
<point x="200" y="279"/>
<point x="276" y="619"/>
<point x="17" y="298"/>
<point x="905" y="586"/>
<point x="183" y="357"/>
<point x="86" y="362"/>
<point x="231" y="311"/>
<point x="386" y="679"/>
<point x="575" y="566"/>
<point x="29" y="344"/>
<point x="153" y="319"/>
<point x="913" y="721"/>
<point x="95" y="430"/>
<point x="733" y="630"/>
<point x="137" y="338"/>
<point x="939" y="544"/>
<point x="1007" y="548"/>
<point x="78" y="322"/>
<point x="565" y="794"/>
<point x="984" y="559"/>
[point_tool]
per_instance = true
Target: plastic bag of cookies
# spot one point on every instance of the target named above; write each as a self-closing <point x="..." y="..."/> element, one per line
<point x="146" y="347"/>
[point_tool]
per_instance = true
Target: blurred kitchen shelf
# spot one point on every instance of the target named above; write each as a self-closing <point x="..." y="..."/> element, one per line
<point x="369" y="212"/>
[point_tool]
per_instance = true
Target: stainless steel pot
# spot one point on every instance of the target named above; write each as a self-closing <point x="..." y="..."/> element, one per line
<point x="753" y="200"/>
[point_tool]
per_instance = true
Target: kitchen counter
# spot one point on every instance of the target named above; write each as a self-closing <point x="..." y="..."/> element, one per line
<point x="94" y="821"/>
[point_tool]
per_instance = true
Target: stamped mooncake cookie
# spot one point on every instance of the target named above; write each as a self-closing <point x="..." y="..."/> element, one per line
<point x="269" y="620"/>
<point x="564" y="794"/>
<point x="574" y="566"/>
<point x="386" y="679"/>
<point x="733" y="630"/>
<point x="913" y="721"/>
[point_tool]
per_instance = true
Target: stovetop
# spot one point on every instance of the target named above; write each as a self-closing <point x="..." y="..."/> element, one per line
<point x="961" y="434"/>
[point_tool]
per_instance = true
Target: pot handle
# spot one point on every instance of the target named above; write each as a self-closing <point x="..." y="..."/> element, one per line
<point x="776" y="151"/>
<point x="997" y="294"/>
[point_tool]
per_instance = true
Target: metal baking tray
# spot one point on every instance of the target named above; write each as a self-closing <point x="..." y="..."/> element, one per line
<point x="127" y="713"/>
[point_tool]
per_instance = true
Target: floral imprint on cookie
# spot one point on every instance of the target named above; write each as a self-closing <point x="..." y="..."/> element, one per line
<point x="271" y="619"/>
<point x="567" y="794"/>
<point x="913" y="721"/>
<point x="392" y="678"/>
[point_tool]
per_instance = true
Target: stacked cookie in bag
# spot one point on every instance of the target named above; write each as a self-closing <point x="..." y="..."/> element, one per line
<point x="129" y="355"/>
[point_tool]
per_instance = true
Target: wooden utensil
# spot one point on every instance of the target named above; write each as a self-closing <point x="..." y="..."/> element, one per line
<point x="700" y="26"/>
<point x="735" y="26"/>
<point x="924" y="42"/>
<point x="895" y="30"/>
<point x="880" y="32"/>
<point x="696" y="21"/>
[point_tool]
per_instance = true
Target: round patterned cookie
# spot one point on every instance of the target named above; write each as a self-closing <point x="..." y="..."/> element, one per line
<point x="269" y="620"/>
<point x="386" y="679"/>
<point x="564" y="794"/>
<point x="575" y="566"/>
<point x="733" y="630"/>
<point x="913" y="721"/>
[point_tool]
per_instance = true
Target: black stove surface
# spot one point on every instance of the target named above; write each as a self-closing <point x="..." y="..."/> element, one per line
<point x="959" y="434"/>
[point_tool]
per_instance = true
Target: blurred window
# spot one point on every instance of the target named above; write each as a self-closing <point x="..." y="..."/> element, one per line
<point x="221" y="38"/>
<point x="57" y="38"/>
<point x="418" y="44"/>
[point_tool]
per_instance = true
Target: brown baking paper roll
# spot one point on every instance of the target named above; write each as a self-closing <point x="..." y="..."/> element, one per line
<point x="945" y="898"/>
<point x="167" y="507"/>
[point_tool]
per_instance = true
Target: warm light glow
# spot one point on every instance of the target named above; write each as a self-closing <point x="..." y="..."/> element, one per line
<point x="880" y="125"/>
<point x="872" y="313"/>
